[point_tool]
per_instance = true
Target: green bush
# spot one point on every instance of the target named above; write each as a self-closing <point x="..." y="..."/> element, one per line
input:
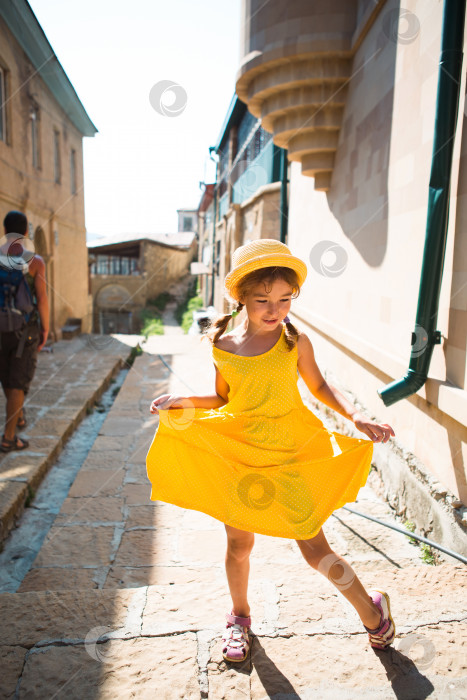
<point x="184" y="312"/>
<point x="160" y="302"/>
<point x="135" y="352"/>
<point x="427" y="553"/>
<point x="151" y="323"/>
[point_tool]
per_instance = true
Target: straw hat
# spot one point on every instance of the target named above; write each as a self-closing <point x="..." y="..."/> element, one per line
<point x="265" y="252"/>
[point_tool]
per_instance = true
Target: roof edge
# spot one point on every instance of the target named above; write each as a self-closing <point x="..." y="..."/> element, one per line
<point x="235" y="110"/>
<point x="25" y="27"/>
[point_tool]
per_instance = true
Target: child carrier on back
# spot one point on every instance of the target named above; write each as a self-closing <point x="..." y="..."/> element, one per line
<point x="16" y="304"/>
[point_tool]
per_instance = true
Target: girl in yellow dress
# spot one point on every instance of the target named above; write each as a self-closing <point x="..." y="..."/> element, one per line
<point x="253" y="456"/>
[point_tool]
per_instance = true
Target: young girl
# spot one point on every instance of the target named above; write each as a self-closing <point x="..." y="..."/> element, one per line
<point x="253" y="456"/>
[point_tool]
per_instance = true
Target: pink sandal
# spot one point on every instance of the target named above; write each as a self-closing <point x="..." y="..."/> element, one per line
<point x="384" y="634"/>
<point x="236" y="638"/>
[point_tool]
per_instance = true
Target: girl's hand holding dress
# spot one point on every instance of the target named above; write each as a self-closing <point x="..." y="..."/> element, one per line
<point x="378" y="432"/>
<point x="165" y="401"/>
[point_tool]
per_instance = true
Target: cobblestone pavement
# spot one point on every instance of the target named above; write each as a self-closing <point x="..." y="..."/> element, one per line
<point x="66" y="385"/>
<point x="127" y="598"/>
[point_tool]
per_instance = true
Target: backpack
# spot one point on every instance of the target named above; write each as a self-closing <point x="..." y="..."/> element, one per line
<point x="16" y="304"/>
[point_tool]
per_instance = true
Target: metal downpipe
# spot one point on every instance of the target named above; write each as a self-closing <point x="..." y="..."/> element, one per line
<point x="425" y="336"/>
<point x="284" y="212"/>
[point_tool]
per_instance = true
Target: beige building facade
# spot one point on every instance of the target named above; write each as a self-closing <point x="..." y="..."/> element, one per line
<point x="41" y="132"/>
<point x="349" y="89"/>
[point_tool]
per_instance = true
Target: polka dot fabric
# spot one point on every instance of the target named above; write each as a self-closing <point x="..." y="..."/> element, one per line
<point x="263" y="462"/>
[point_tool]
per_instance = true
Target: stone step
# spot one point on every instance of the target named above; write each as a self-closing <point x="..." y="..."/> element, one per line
<point x="129" y="642"/>
<point x="66" y="384"/>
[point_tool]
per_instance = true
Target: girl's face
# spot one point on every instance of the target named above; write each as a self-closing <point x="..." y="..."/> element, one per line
<point x="267" y="309"/>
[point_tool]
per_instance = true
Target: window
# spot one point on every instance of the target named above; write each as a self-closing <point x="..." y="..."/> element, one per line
<point x="57" y="163"/>
<point x="34" y="114"/>
<point x="114" y="265"/>
<point x="73" y="170"/>
<point x="187" y="223"/>
<point x="2" y="105"/>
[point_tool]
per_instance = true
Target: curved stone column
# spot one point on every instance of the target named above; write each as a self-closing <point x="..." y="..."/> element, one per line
<point x="297" y="60"/>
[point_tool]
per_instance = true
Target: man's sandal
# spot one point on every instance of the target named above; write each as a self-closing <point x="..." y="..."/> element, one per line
<point x="236" y="639"/>
<point x="384" y="634"/>
<point x="16" y="444"/>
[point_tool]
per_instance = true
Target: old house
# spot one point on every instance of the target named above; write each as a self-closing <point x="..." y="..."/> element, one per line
<point x="42" y="125"/>
<point x="127" y="271"/>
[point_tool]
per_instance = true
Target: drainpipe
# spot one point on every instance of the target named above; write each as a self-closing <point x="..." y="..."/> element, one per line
<point x="284" y="210"/>
<point x="212" y="149"/>
<point x="425" y="337"/>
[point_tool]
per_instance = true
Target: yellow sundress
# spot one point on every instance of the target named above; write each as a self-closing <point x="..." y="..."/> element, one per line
<point x="263" y="462"/>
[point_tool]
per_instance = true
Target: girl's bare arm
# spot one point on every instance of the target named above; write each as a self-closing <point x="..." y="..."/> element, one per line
<point x="220" y="398"/>
<point x="333" y="398"/>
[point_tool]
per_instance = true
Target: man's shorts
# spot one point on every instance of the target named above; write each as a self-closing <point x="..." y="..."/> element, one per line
<point x="18" y="372"/>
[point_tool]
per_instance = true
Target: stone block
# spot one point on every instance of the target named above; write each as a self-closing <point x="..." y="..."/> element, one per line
<point x="58" y="579"/>
<point x="76" y="546"/>
<point x="159" y="575"/>
<point x="12" y="497"/>
<point x="184" y="607"/>
<point x="90" y="510"/>
<point x="11" y="663"/>
<point x="147" y="547"/>
<point x="97" y="482"/>
<point x="142" y="668"/>
<point x="43" y="616"/>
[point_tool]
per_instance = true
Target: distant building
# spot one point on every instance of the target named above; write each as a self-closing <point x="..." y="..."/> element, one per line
<point x="127" y="271"/>
<point x="244" y="203"/>
<point x="187" y="220"/>
<point x="202" y="267"/>
<point x="42" y="124"/>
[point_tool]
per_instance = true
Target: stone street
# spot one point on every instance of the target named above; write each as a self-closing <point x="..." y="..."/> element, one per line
<point x="127" y="598"/>
<point x="67" y="383"/>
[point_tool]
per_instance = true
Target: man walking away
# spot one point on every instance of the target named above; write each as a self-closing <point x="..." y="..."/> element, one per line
<point x="24" y="319"/>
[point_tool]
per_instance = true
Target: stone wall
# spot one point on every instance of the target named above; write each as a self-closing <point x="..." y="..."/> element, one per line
<point x="50" y="206"/>
<point x="364" y="240"/>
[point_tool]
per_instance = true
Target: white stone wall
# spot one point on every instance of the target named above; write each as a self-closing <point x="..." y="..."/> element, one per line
<point x="360" y="318"/>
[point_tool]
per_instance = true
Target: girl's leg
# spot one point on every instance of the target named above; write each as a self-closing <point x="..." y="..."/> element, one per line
<point x="319" y="555"/>
<point x="237" y="567"/>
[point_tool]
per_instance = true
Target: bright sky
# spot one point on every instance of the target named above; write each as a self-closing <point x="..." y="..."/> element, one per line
<point x="142" y="166"/>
